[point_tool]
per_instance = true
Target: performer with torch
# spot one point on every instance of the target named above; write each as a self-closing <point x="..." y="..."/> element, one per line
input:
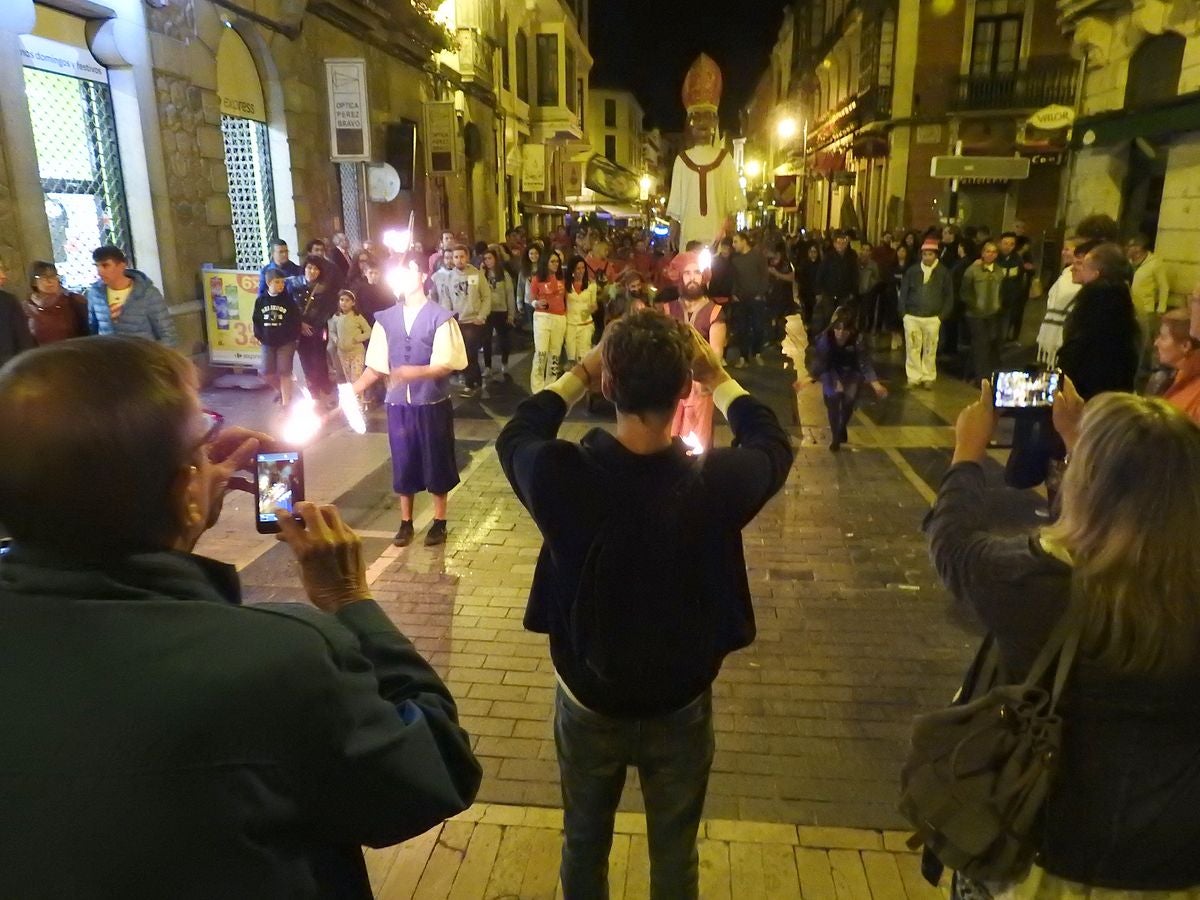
<point x="415" y="345"/>
<point x="694" y="415"/>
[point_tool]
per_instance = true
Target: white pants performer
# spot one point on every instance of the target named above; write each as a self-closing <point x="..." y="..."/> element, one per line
<point x="579" y="341"/>
<point x="549" y="332"/>
<point x="921" y="343"/>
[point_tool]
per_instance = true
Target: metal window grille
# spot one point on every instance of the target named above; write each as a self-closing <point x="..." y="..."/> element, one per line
<point x="251" y="190"/>
<point x="351" y="203"/>
<point x="75" y="137"/>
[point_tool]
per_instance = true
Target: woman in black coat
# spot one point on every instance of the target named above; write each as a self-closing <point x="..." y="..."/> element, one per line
<point x="1100" y="335"/>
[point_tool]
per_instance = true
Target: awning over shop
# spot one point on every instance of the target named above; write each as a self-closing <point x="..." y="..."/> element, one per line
<point x="544" y="209"/>
<point x="1180" y="115"/>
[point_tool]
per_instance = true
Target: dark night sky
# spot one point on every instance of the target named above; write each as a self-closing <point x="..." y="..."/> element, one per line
<point x="646" y="46"/>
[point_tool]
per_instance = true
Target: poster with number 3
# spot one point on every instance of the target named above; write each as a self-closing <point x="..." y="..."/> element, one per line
<point x="229" y="298"/>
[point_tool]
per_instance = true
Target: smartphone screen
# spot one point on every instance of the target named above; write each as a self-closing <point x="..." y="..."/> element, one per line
<point x="1019" y="389"/>
<point x="279" y="482"/>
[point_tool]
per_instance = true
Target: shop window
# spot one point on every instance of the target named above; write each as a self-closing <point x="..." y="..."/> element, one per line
<point x="547" y="70"/>
<point x="610" y="113"/>
<point x="522" y="53"/>
<point x="247" y="152"/>
<point x="610" y="147"/>
<point x="996" y="38"/>
<point x="79" y="165"/>
<point x="1154" y="70"/>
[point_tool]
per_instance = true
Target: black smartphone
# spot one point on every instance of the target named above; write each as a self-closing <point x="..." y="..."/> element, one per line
<point x="1017" y="390"/>
<point x="278" y="483"/>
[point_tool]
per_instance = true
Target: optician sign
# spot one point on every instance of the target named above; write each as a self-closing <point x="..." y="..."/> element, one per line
<point x="349" y="117"/>
<point x="441" y="138"/>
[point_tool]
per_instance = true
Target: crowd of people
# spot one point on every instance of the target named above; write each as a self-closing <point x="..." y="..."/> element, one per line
<point x="250" y="750"/>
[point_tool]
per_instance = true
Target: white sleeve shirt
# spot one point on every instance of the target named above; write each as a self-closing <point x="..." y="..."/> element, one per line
<point x="449" y="349"/>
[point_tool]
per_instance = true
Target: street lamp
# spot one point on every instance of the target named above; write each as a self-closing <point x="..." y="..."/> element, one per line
<point x="753" y="168"/>
<point x="644" y="183"/>
<point x="786" y="128"/>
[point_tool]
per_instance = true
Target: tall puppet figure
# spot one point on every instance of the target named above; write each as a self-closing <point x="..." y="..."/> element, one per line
<point x="705" y="194"/>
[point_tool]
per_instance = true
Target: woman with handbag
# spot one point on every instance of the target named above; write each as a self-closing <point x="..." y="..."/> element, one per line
<point x="1119" y="816"/>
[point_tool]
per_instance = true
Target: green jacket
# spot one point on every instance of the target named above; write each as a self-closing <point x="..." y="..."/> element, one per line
<point x="981" y="290"/>
<point x="162" y="740"/>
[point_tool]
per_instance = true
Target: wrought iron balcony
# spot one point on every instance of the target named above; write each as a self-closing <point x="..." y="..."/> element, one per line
<point x="1040" y="83"/>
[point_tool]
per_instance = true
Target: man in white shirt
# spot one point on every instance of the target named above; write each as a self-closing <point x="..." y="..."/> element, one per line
<point x="415" y="345"/>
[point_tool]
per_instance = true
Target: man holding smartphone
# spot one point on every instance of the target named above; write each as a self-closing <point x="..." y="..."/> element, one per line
<point x="179" y="742"/>
<point x="640" y="584"/>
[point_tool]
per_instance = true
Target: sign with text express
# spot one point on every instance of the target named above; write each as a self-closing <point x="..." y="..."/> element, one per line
<point x="441" y="138"/>
<point x="349" y="117"/>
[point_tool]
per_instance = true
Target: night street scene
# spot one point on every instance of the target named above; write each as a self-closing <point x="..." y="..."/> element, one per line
<point x="526" y="449"/>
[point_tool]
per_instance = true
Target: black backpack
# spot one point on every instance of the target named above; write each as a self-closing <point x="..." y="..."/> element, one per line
<point x="644" y="611"/>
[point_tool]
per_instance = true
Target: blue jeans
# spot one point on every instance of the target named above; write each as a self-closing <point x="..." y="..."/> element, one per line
<point x="673" y="755"/>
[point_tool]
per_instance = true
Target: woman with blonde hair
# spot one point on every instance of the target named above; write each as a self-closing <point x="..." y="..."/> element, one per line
<point x="1120" y="819"/>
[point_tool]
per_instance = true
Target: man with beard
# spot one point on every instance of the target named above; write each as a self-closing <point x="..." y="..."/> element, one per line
<point x="694" y="414"/>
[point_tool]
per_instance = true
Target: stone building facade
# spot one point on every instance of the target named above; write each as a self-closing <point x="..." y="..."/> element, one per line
<point x="163" y="61"/>
<point x="1136" y="143"/>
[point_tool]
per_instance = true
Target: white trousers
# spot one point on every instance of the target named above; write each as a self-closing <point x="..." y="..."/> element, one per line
<point x="921" y="343"/>
<point x="579" y="341"/>
<point x="549" y="332"/>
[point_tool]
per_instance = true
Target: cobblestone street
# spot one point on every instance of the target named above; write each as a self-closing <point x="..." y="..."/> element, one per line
<point x="854" y="637"/>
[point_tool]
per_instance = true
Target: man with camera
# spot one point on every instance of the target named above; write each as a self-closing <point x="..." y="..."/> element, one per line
<point x="641" y="583"/>
<point x="179" y="743"/>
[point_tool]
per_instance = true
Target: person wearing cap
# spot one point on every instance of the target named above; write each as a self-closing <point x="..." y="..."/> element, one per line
<point x="926" y="297"/>
<point x="694" y="414"/>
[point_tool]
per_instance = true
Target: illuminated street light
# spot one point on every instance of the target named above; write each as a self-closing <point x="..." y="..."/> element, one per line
<point x="786" y="128"/>
<point x="753" y="168"/>
<point x="644" y="183"/>
<point x="742" y="182"/>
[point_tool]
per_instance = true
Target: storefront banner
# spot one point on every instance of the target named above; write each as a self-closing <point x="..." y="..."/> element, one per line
<point x="229" y="298"/>
<point x="441" y="138"/>
<point x="62" y="59"/>
<point x="533" y="172"/>
<point x="349" y="122"/>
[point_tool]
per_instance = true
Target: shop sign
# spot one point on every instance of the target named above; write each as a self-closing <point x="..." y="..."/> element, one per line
<point x="845" y="179"/>
<point x="442" y="155"/>
<point x="229" y="298"/>
<point x="533" y="167"/>
<point x="1049" y="118"/>
<point x="349" y="119"/>
<point x="61" y="59"/>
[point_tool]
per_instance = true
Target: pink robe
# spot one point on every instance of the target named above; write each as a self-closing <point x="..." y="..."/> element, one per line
<point x="694" y="414"/>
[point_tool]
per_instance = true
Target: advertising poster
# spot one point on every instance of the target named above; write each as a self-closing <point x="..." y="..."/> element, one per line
<point x="229" y="298"/>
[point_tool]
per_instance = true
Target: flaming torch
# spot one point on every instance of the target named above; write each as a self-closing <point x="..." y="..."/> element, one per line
<point x="397" y="240"/>
<point x="694" y="445"/>
<point x="351" y="409"/>
<point x="705" y="260"/>
<point x="303" y="420"/>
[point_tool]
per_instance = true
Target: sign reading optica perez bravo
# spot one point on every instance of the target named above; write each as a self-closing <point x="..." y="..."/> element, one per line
<point x="349" y="115"/>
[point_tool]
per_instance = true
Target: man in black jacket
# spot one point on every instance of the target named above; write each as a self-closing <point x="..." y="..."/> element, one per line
<point x="837" y="281"/>
<point x="180" y="743"/>
<point x="636" y="480"/>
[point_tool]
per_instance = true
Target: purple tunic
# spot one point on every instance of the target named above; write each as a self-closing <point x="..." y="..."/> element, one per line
<point x="420" y="415"/>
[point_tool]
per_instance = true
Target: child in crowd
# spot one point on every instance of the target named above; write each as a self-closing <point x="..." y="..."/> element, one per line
<point x="276" y="321"/>
<point x="348" y="334"/>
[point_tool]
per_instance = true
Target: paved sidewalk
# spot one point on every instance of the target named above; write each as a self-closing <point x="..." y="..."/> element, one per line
<point x="493" y="851"/>
<point x="854" y="637"/>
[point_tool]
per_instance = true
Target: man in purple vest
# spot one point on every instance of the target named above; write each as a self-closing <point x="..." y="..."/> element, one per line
<point x="415" y="345"/>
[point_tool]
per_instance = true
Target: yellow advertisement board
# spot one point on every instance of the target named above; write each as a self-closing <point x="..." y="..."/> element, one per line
<point x="228" y="307"/>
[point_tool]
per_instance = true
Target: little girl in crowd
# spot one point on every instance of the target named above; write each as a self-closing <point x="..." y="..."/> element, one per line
<point x="348" y="334"/>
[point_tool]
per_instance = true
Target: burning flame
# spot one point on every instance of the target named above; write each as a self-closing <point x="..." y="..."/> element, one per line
<point x="403" y="280"/>
<point x="705" y="260"/>
<point x="397" y="240"/>
<point x="348" y="403"/>
<point x="303" y="421"/>
<point x="692" y="441"/>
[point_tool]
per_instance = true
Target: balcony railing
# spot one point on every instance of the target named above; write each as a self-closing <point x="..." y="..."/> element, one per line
<point x="1041" y="83"/>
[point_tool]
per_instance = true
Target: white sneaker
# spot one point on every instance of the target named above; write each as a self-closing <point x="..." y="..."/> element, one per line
<point x="740" y="364"/>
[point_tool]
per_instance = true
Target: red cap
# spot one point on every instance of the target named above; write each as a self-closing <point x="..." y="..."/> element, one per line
<point x="930" y="244"/>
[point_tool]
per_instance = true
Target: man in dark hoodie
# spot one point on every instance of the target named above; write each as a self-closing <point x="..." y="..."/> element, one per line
<point x="641" y="583"/>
